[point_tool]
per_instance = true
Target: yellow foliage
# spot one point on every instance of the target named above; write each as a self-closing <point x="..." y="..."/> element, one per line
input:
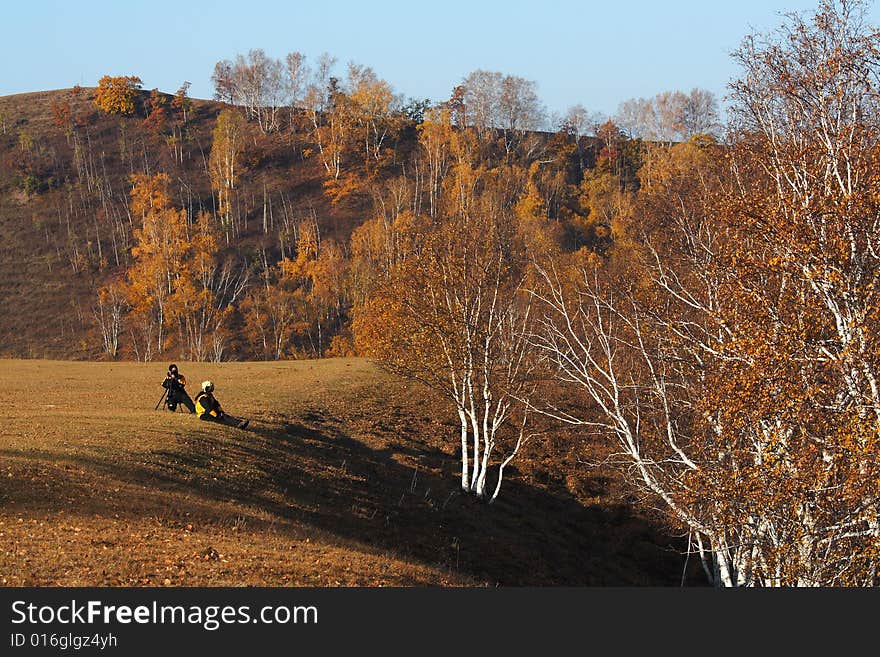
<point x="116" y="95"/>
<point x="169" y="282"/>
<point x="225" y="159"/>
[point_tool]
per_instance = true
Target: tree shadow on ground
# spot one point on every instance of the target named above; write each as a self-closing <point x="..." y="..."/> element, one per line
<point x="397" y="494"/>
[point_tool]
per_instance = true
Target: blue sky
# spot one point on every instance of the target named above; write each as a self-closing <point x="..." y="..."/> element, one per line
<point x="594" y="53"/>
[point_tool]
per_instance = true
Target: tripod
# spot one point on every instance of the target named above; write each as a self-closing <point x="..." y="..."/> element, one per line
<point x="161" y="399"/>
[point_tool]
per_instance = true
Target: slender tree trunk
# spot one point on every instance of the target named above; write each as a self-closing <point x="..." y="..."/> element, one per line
<point x="464" y="449"/>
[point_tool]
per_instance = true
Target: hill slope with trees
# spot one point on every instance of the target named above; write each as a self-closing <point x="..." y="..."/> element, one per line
<point x="707" y="307"/>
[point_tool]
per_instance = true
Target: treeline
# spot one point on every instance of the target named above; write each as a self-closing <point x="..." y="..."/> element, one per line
<point x="293" y="292"/>
<point x="378" y="155"/>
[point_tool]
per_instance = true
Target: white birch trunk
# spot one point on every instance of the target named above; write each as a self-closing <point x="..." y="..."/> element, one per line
<point x="464" y="450"/>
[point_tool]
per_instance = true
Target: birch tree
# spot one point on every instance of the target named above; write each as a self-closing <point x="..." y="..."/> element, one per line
<point x="225" y="164"/>
<point x="158" y="254"/>
<point x="257" y="83"/>
<point x="109" y="312"/>
<point x="297" y="79"/>
<point x="453" y="314"/>
<point x="319" y="102"/>
<point x="274" y="310"/>
<point x="670" y="116"/>
<point x="373" y="102"/>
<point x="726" y="341"/>
<point x="204" y="293"/>
<point x="491" y="100"/>
<point x="436" y="139"/>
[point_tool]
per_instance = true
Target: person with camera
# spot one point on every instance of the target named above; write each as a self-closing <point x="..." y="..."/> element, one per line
<point x="209" y="408"/>
<point x="175" y="383"/>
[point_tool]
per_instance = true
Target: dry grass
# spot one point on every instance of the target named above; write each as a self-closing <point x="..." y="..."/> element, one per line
<point x="345" y="479"/>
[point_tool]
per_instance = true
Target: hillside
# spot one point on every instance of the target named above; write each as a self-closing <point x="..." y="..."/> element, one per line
<point x="348" y="476"/>
<point x="343" y="480"/>
<point x="67" y="228"/>
<point x="65" y="225"/>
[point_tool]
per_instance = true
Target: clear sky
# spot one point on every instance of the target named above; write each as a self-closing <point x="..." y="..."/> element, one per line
<point x="594" y="53"/>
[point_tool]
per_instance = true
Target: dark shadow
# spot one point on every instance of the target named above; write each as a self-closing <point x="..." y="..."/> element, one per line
<point x="400" y="496"/>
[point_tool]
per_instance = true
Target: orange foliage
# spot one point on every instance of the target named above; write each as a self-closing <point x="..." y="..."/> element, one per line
<point x="116" y="94"/>
<point x="169" y="283"/>
<point x="300" y="300"/>
<point x="225" y="161"/>
<point x="158" y="111"/>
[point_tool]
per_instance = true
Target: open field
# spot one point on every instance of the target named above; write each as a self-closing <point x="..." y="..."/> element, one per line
<point x="344" y="479"/>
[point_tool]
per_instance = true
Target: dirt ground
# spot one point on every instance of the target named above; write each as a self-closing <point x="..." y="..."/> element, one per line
<point x="346" y="476"/>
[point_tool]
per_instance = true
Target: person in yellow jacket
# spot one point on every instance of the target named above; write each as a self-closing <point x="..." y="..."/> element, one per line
<point x="209" y="408"/>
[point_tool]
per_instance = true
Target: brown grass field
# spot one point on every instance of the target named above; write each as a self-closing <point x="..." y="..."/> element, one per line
<point x="345" y="477"/>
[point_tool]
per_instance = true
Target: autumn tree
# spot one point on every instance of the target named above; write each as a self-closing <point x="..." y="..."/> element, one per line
<point x="176" y="280"/>
<point x="490" y="100"/>
<point x="224" y="82"/>
<point x="480" y="100"/>
<point x="64" y="117"/>
<point x="225" y="164"/>
<point x="373" y="105"/>
<point x="297" y="80"/>
<point x="726" y="343"/>
<point x="520" y="112"/>
<point x="297" y="77"/>
<point x="116" y="95"/>
<point x="273" y="311"/>
<point x="330" y="116"/>
<point x="382" y="243"/>
<point x="181" y="103"/>
<point x="256" y="82"/>
<point x="626" y="330"/>
<point x="808" y="120"/>
<point x="605" y="204"/>
<point x="540" y="234"/>
<point x="578" y="122"/>
<point x="158" y="256"/>
<point x="204" y="294"/>
<point x="109" y="311"/>
<point x="319" y="270"/>
<point x="452" y="313"/>
<point x="437" y="140"/>
<point x="301" y="303"/>
<point x="157" y="112"/>
<point x="180" y="107"/>
<point x="670" y="115"/>
<point x="351" y="119"/>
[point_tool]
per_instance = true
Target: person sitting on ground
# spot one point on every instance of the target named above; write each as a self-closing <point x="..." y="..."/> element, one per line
<point x="209" y="408"/>
<point x="176" y="382"/>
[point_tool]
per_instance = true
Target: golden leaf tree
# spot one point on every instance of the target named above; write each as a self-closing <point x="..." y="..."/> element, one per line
<point x="727" y="340"/>
<point x="225" y="165"/>
<point x="372" y="104"/>
<point x="158" y="255"/>
<point x="452" y="313"/>
<point x="203" y="295"/>
<point x="301" y="300"/>
<point x="437" y="140"/>
<point x="273" y="311"/>
<point x="116" y="94"/>
<point x="175" y="280"/>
